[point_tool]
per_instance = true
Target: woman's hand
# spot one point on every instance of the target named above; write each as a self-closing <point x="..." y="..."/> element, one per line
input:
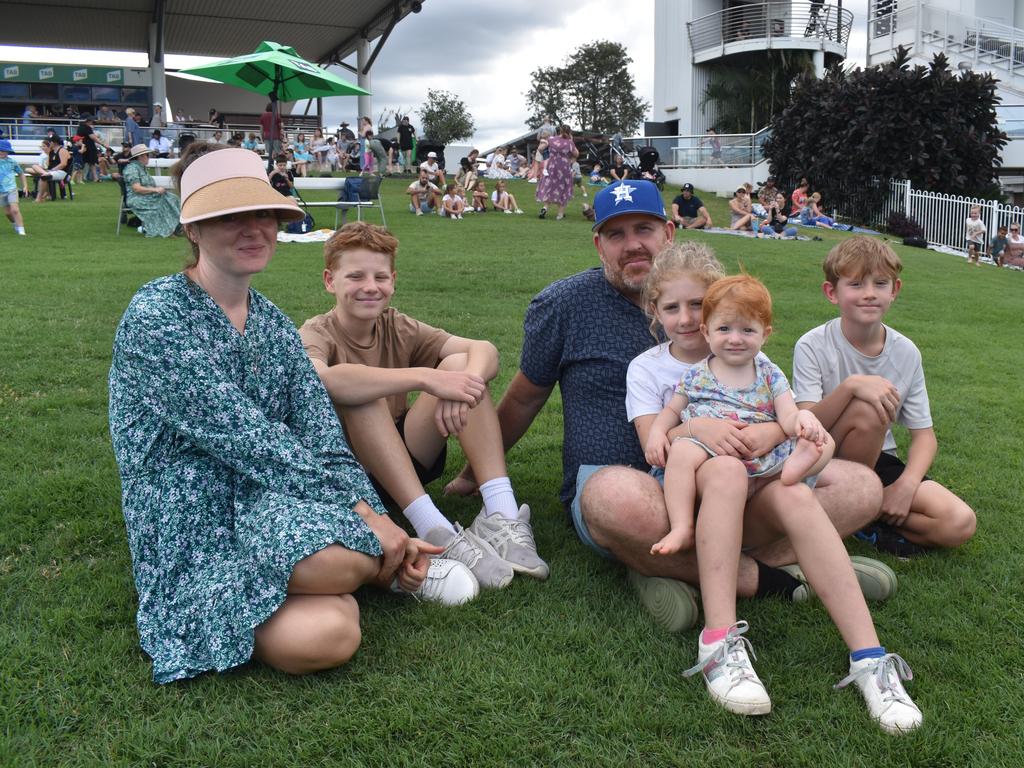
<point x="394" y="543"/>
<point x="416" y="563"/>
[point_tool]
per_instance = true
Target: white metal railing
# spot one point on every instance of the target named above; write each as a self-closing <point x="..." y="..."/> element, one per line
<point x="942" y="216"/>
<point x="1010" y="119"/>
<point x="707" y="150"/>
<point x="789" y="19"/>
<point x="984" y="43"/>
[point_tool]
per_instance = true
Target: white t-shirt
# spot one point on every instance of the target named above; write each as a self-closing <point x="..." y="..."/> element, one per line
<point x="651" y="380"/>
<point x="823" y="358"/>
<point x="976" y="231"/>
<point x="450" y="199"/>
<point x="163" y="144"/>
<point x="431" y="167"/>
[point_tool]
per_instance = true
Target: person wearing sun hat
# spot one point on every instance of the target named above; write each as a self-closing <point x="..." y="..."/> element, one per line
<point x="156" y="207"/>
<point x="249" y="522"/>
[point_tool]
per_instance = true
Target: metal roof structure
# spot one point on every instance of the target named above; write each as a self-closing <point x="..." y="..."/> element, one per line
<point x="324" y="31"/>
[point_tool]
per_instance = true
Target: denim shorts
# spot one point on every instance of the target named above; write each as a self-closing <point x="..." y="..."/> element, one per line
<point x="576" y="511"/>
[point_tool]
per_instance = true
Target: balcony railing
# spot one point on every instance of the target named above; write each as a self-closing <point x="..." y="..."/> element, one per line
<point x="773" y="25"/>
<point x="706" y="150"/>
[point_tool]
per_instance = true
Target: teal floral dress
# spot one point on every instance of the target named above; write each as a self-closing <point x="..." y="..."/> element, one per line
<point x="159" y="213"/>
<point x="233" y="468"/>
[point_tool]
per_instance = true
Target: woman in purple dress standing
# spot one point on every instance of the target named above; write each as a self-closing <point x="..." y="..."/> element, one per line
<point x="555" y="187"/>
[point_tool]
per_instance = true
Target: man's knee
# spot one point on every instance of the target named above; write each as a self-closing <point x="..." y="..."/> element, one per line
<point x="614" y="495"/>
<point x="850" y="493"/>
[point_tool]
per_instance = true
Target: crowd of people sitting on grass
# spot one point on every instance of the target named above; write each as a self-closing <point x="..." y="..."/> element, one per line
<point x="258" y="498"/>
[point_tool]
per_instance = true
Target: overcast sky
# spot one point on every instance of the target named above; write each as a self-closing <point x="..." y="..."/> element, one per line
<point x="483" y="52"/>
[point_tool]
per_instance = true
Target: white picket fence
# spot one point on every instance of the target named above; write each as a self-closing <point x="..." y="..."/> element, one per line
<point x="943" y="217"/>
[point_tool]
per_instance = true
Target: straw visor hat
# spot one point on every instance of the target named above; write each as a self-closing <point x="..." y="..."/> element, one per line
<point x="231" y="181"/>
<point x="140" y="149"/>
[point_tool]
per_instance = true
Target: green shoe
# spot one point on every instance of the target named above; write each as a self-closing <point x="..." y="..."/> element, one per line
<point x="672" y="603"/>
<point x="877" y="580"/>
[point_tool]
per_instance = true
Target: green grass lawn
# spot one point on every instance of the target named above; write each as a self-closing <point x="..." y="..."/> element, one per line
<point x="567" y="672"/>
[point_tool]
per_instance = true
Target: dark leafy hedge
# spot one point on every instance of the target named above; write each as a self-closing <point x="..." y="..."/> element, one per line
<point x="898" y="223"/>
<point x="927" y="124"/>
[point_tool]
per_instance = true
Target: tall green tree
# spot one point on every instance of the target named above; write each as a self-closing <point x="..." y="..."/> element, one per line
<point x="593" y="90"/>
<point x="747" y="95"/>
<point x="445" y="118"/>
<point x="923" y="123"/>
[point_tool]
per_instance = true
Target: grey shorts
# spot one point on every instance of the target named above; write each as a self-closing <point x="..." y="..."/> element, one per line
<point x="9" y="198"/>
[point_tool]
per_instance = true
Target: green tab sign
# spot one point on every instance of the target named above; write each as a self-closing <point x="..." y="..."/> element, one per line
<point x="54" y="73"/>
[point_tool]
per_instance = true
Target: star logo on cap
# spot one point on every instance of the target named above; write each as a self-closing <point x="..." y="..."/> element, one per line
<point x="624" y="192"/>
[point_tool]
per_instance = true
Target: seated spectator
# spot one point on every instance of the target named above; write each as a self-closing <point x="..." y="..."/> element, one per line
<point x="741" y="215"/>
<point x="160" y="145"/>
<point x="71" y="112"/>
<point x="619" y="171"/>
<point x="434" y="173"/>
<point x="688" y="211"/>
<point x="466" y="176"/>
<point x="998" y="245"/>
<point x="105" y="114"/>
<point x="318" y="148"/>
<point x="218" y="137"/>
<point x="281" y="179"/>
<point x="303" y="157"/>
<point x="596" y="178"/>
<point x="776" y="223"/>
<point x="503" y="200"/>
<point x="480" y="196"/>
<point x="424" y="194"/>
<point x="497" y="169"/>
<point x="766" y="194"/>
<point x="108" y="165"/>
<point x="1013" y="255"/>
<point x="251" y="142"/>
<point x="158" y="209"/>
<point x="517" y="163"/>
<point x="452" y="205"/>
<point x="799" y="197"/>
<point x="370" y="358"/>
<point x="334" y="156"/>
<point x="54" y="165"/>
<point x="811" y="214"/>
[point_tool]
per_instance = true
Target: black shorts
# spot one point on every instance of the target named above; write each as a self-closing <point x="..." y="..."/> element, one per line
<point x="425" y="474"/>
<point x="889" y="468"/>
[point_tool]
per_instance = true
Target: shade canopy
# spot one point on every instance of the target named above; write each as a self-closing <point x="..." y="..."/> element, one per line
<point x="279" y="72"/>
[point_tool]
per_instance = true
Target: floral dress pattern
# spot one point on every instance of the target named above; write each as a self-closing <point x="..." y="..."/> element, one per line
<point x="159" y="213"/>
<point x="751" y="405"/>
<point x="556" y="186"/>
<point x="233" y="468"/>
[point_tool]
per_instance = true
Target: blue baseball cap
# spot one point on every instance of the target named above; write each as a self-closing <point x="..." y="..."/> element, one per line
<point x="628" y="196"/>
<point x="5" y="146"/>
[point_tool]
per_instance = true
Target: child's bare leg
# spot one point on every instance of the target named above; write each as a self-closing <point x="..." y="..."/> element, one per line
<point x="858" y="433"/>
<point x="719" y="538"/>
<point x="684" y="459"/>
<point x="794" y="512"/>
<point x="808" y="458"/>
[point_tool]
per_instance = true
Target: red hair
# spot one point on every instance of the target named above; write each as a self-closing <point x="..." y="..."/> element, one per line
<point x="742" y="294"/>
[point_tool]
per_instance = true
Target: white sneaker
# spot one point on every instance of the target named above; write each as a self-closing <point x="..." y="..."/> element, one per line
<point x="519" y="211"/>
<point x="490" y="570"/>
<point x="513" y="541"/>
<point x="448" y="582"/>
<point x="531" y="181"/>
<point x="728" y="674"/>
<point x="880" y="682"/>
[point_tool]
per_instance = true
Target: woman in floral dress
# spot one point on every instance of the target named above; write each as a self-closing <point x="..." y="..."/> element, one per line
<point x="555" y="187"/>
<point x="156" y="207"/>
<point x="249" y="522"/>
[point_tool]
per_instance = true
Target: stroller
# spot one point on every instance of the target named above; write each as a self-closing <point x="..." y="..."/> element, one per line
<point x="648" y="158"/>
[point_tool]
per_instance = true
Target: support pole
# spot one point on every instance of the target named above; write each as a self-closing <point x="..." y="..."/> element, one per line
<point x="156" y="68"/>
<point x="363" y="78"/>
<point x="819" y="63"/>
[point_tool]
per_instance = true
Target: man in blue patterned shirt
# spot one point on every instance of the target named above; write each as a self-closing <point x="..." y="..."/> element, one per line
<point x="581" y="332"/>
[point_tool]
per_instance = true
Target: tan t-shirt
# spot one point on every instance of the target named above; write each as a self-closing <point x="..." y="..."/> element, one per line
<point x="398" y="341"/>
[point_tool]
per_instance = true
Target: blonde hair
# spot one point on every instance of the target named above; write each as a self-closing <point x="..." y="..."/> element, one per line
<point x="676" y="260"/>
<point x="859" y="256"/>
<point x="360" y="234"/>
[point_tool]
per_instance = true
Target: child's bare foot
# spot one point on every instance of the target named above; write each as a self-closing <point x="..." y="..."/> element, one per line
<point x="677" y="540"/>
<point x="799" y="463"/>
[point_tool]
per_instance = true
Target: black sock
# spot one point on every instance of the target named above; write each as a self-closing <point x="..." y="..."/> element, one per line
<point x="774" y="582"/>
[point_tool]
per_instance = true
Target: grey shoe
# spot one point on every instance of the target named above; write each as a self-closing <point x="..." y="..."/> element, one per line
<point x="513" y="541"/>
<point x="465" y="546"/>
<point x="672" y="603"/>
<point x="877" y="580"/>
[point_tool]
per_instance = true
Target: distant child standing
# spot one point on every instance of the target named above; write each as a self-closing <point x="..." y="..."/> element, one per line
<point x="859" y="377"/>
<point x="976" y="233"/>
<point x="9" y="170"/>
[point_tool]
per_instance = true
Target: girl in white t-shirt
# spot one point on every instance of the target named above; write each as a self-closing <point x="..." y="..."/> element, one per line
<point x="452" y="204"/>
<point x="503" y="200"/>
<point x="673" y="297"/>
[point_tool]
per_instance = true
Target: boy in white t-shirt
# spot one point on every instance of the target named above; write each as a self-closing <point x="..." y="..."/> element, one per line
<point x="859" y="376"/>
<point x="976" y="233"/>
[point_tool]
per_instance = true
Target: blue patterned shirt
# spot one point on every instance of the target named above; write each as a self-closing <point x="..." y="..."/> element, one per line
<point x="581" y="333"/>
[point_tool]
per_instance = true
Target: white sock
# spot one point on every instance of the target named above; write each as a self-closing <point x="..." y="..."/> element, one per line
<point x="19" y="230"/>
<point x="424" y="515"/>
<point x="499" y="499"/>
